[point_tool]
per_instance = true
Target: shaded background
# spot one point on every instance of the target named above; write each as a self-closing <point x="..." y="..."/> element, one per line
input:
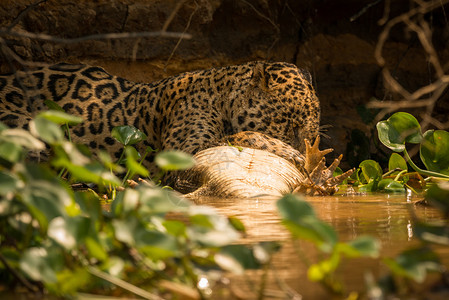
<point x="334" y="39"/>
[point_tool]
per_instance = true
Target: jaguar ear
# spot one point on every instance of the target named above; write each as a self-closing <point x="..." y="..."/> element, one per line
<point x="260" y="77"/>
<point x="306" y="74"/>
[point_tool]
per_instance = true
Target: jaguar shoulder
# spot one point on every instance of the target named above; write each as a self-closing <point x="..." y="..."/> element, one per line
<point x="190" y="112"/>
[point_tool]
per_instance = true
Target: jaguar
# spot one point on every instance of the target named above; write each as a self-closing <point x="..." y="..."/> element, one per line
<point x="273" y="102"/>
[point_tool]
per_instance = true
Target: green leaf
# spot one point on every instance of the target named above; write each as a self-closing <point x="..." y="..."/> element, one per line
<point x="106" y="160"/>
<point x="160" y="201"/>
<point x="114" y="265"/>
<point x="237" y="224"/>
<point x="315" y="231"/>
<point x="95" y="248"/>
<point x="11" y="152"/>
<point x="293" y="208"/>
<point x="89" y="203"/>
<point x="53" y="105"/>
<point x="132" y="164"/>
<point x="37" y="264"/>
<point x="415" y="263"/>
<point x="92" y="172"/>
<point x="22" y="138"/>
<point x="236" y="259"/>
<point x="201" y="220"/>
<point x="300" y="219"/>
<point x="61" y="233"/>
<point x="388" y="185"/>
<point x="434" y="151"/>
<point x="369" y="187"/>
<point x="68" y="150"/>
<point x="70" y="281"/>
<point x="125" y="230"/>
<point x="432" y="233"/>
<point x="396" y="161"/>
<point x="264" y="251"/>
<point x="3" y="126"/>
<point x="69" y="232"/>
<point x="371" y="170"/>
<point x="128" y="135"/>
<point x="60" y="117"/>
<point x="361" y="246"/>
<point x="46" y="201"/>
<point x="172" y="160"/>
<point x="319" y="271"/>
<point x="209" y="228"/>
<point x="156" y="245"/>
<point x="9" y="183"/>
<point x="400" y="128"/>
<point x="174" y="227"/>
<point x="438" y="196"/>
<point x="130" y="200"/>
<point x="47" y="130"/>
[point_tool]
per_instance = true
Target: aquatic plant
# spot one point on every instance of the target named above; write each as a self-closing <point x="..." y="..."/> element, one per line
<point x="150" y="242"/>
<point x="395" y="133"/>
<point x="304" y="225"/>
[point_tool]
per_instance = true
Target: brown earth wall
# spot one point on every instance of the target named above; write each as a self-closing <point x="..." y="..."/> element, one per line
<point x="335" y="40"/>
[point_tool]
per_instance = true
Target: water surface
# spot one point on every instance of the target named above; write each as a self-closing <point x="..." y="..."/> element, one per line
<point x="385" y="217"/>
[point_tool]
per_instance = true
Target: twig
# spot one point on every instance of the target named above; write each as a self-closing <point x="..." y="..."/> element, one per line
<point x="164" y="28"/>
<point x="100" y="36"/>
<point x="414" y="21"/>
<point x="385" y="33"/>
<point x="8" y="53"/>
<point x="135" y="48"/>
<point x="289" y="292"/>
<point x="123" y="284"/>
<point x="19" y="276"/>
<point x="180" y="39"/>
<point x="263" y="280"/>
<point x="172" y="15"/>
<point x="395" y="105"/>
<point x="424" y="34"/>
<point x="444" y="12"/>
<point x="386" y="14"/>
<point x="363" y="10"/>
<point x="278" y="30"/>
<point x="23" y="13"/>
<point x="125" y="19"/>
<point x="435" y="122"/>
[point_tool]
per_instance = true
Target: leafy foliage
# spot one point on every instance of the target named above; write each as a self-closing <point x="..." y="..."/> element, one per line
<point x="174" y="160"/>
<point x="398" y="129"/>
<point x="434" y="151"/>
<point x="128" y="135"/>
<point x="300" y="219"/>
<point x="395" y="132"/>
<point x="65" y="240"/>
<point x="402" y="128"/>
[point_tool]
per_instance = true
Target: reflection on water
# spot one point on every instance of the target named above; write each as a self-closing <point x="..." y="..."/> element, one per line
<point x="385" y="217"/>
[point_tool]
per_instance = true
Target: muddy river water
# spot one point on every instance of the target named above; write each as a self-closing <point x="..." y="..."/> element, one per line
<point x="385" y="217"/>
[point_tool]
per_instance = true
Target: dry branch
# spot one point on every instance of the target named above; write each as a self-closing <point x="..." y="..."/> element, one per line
<point x="425" y="96"/>
<point x="185" y="30"/>
<point x="101" y="36"/>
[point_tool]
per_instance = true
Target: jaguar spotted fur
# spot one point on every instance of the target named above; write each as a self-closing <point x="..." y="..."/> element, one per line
<point x="275" y="102"/>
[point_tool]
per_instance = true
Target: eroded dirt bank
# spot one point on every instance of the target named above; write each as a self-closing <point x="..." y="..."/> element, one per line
<point x="334" y="40"/>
